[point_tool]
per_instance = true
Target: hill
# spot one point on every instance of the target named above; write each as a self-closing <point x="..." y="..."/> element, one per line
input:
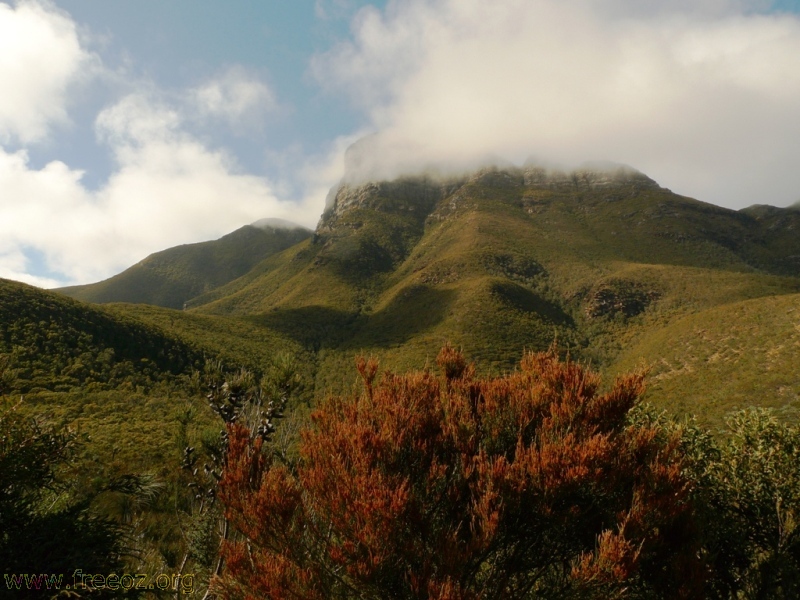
<point x="130" y="386"/>
<point x="603" y="259"/>
<point x="171" y="277"/>
<point x="507" y="259"/>
<point x="59" y="344"/>
<point x="617" y="269"/>
<point x="724" y="358"/>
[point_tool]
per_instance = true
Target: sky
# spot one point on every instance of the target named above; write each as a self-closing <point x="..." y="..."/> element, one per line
<point x="130" y="127"/>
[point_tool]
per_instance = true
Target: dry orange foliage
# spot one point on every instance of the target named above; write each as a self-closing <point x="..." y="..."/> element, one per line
<point x="458" y="487"/>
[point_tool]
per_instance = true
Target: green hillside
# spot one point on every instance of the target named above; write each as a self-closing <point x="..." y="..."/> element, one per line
<point x="129" y="380"/>
<point x="728" y="357"/>
<point x="602" y="260"/>
<point x="171" y="277"/>
<point x="615" y="269"/>
<point x="59" y="344"/>
<point x="505" y="260"/>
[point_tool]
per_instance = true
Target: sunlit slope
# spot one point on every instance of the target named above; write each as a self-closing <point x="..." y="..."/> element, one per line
<point x="174" y="276"/>
<point x="129" y="376"/>
<point x="614" y="268"/>
<point x="600" y="260"/>
<point x="735" y="355"/>
<point x="509" y="259"/>
<point x="59" y="344"/>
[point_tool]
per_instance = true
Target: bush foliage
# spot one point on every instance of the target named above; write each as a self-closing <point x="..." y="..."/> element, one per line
<point x="534" y="484"/>
<point x="45" y="526"/>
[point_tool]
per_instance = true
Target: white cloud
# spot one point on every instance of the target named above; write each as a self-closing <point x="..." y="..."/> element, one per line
<point x="702" y="96"/>
<point x="321" y="174"/>
<point x="236" y="97"/>
<point x="38" y="209"/>
<point x="40" y="59"/>
<point x="167" y="189"/>
<point x="166" y="186"/>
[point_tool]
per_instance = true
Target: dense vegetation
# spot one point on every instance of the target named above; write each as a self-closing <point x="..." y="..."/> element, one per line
<point x="618" y="270"/>
<point x="536" y="484"/>
<point x="47" y="521"/>
<point x="61" y="345"/>
<point x="501" y="260"/>
<point x="530" y="485"/>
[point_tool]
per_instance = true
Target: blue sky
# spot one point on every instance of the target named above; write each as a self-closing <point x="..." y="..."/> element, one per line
<point x="128" y="127"/>
<point x="178" y="44"/>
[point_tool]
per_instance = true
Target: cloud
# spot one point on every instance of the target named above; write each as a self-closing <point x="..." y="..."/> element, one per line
<point x="166" y="185"/>
<point x="41" y="58"/>
<point x="167" y="188"/>
<point x="37" y="210"/>
<point x="702" y="96"/>
<point x="236" y="97"/>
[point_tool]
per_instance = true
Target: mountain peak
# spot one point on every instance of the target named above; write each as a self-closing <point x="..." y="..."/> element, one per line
<point x="273" y="223"/>
<point x="422" y="192"/>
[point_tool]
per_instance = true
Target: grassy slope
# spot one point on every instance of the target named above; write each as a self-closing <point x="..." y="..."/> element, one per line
<point x="117" y="368"/>
<point x="172" y="277"/>
<point x="620" y="273"/>
<point x="498" y="263"/>
<point x="501" y="263"/>
<point x="726" y="357"/>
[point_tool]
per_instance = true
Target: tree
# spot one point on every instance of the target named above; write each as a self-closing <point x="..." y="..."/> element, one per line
<point x="750" y="490"/>
<point x="48" y="526"/>
<point x="530" y="485"/>
<point x="43" y="527"/>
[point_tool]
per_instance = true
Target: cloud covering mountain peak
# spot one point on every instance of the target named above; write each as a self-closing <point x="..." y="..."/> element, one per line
<point x="701" y="95"/>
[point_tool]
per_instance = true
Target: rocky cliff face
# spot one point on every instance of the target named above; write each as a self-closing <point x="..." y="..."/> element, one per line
<point x="416" y="197"/>
<point x="369" y="229"/>
<point x="588" y="177"/>
<point x="420" y="196"/>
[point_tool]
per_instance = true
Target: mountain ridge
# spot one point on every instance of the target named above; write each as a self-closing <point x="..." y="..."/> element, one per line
<point x="505" y="259"/>
<point x="171" y="277"/>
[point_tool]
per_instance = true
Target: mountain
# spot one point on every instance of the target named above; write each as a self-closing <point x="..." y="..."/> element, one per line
<point x="171" y="277"/>
<point x="507" y="259"/>
<point x="614" y="269"/>
<point x="605" y="261"/>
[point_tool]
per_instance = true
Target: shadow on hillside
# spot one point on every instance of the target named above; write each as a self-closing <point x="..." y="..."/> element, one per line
<point x="522" y="299"/>
<point x="312" y="326"/>
<point x="414" y="310"/>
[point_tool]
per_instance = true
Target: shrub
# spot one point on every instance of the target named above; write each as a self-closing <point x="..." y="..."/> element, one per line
<point x="534" y="484"/>
<point x="750" y="492"/>
<point x="43" y="527"/>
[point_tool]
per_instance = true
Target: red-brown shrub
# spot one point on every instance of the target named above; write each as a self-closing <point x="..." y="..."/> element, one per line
<point x="460" y="487"/>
